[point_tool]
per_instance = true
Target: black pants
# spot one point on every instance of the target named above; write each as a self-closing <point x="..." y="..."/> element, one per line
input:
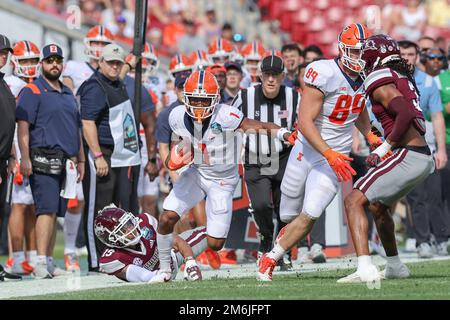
<point x="118" y="187"/>
<point x="3" y="207"/>
<point x="265" y="195"/>
<point x="427" y="210"/>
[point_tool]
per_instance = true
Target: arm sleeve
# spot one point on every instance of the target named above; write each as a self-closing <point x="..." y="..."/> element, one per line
<point x="163" y="132"/>
<point x="27" y="106"/>
<point x="92" y="101"/>
<point x="139" y="274"/>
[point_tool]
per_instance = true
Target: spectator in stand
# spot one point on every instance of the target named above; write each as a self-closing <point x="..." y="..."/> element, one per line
<point x="157" y="14"/>
<point x="90" y="14"/>
<point x="292" y="56"/>
<point x="117" y="11"/>
<point x="154" y="38"/>
<point x="209" y="28"/>
<point x="121" y="33"/>
<point x="190" y="41"/>
<point x="174" y="30"/>
<point x="227" y="31"/>
<point x="312" y="53"/>
<point x="410" y="19"/>
<point x="221" y="76"/>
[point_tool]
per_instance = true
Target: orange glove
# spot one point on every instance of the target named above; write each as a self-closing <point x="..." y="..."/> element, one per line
<point x="18" y="177"/>
<point x="180" y="155"/>
<point x="337" y="162"/>
<point x="292" y="137"/>
<point x="374" y="140"/>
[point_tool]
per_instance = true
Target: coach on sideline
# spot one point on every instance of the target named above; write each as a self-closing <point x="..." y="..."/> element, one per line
<point x="266" y="158"/>
<point x="49" y="138"/>
<point x="7" y="126"/>
<point x="111" y="142"/>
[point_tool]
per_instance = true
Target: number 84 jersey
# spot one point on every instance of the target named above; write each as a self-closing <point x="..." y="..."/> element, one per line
<point x="343" y="102"/>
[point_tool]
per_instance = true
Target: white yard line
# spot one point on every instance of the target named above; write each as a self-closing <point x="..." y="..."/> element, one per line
<point x="63" y="284"/>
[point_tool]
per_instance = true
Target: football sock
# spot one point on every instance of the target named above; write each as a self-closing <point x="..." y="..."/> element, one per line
<point x="71" y="224"/>
<point x="164" y="246"/>
<point x="277" y="252"/>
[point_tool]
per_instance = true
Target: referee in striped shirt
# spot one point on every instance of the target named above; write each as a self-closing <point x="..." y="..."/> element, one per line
<point x="265" y="156"/>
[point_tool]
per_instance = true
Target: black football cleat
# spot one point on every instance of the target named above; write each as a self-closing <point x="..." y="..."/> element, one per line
<point x="8" y="276"/>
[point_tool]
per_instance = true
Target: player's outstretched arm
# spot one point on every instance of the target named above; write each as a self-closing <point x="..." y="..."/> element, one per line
<point x="133" y="273"/>
<point x="254" y="126"/>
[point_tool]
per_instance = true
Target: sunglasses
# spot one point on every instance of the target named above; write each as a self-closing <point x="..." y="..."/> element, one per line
<point x="53" y="59"/>
<point x="439" y="57"/>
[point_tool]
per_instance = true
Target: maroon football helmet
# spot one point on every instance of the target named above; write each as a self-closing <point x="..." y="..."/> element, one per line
<point x="117" y="228"/>
<point x="378" y="50"/>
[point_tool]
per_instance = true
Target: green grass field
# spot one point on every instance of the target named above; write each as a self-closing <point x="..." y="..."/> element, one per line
<point x="430" y="280"/>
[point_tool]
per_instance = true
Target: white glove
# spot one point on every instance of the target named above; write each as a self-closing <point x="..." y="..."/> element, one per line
<point x="192" y="271"/>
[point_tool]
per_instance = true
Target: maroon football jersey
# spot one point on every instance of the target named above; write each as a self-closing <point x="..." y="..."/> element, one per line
<point x="145" y="255"/>
<point x="385" y="76"/>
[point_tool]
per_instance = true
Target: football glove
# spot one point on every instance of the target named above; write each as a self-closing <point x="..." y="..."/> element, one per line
<point x="192" y="271"/>
<point x="181" y="154"/>
<point x="373" y="160"/>
<point x="337" y="162"/>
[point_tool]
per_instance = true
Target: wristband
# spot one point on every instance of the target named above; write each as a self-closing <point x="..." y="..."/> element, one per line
<point x="281" y="133"/>
<point x="97" y="155"/>
<point x="384" y="148"/>
<point x="188" y="258"/>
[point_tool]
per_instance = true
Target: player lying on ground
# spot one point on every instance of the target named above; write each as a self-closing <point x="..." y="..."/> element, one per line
<point x="132" y="253"/>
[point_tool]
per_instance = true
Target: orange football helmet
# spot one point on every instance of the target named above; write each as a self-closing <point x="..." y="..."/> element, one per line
<point x="201" y="94"/>
<point x="350" y="42"/>
<point x="220" y="51"/>
<point x="253" y="53"/>
<point x="25" y="51"/>
<point x="179" y="63"/>
<point x="97" y="34"/>
<point x="200" y="60"/>
<point x="150" y="61"/>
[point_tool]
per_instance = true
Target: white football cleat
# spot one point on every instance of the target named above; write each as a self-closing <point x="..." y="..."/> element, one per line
<point x="161" y="277"/>
<point x="398" y="271"/>
<point x="367" y="275"/>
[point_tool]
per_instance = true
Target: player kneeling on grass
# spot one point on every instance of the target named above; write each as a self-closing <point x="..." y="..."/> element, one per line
<point x="132" y="253"/>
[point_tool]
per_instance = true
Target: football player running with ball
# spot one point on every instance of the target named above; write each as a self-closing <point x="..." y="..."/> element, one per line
<point x="390" y="85"/>
<point x="132" y="253"/>
<point x="332" y="103"/>
<point x="211" y="138"/>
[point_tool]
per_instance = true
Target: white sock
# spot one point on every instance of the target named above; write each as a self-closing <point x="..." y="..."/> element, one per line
<point x="277" y="252"/>
<point x="393" y="260"/>
<point x="164" y="246"/>
<point x="71" y="224"/>
<point x="42" y="259"/>
<point x="32" y="257"/>
<point x="49" y="261"/>
<point x="19" y="257"/>
<point x="364" y="261"/>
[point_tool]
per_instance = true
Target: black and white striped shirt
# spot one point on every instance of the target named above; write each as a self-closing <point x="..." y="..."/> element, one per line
<point x="282" y="110"/>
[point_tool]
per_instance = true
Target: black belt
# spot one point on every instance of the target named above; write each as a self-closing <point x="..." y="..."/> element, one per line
<point x="422" y="149"/>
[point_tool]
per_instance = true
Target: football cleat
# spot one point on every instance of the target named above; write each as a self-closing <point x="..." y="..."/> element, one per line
<point x="8" y="276"/>
<point x="41" y="272"/>
<point x="23" y="269"/>
<point x="367" y="275"/>
<point x="161" y="277"/>
<point x="228" y="256"/>
<point x="397" y="271"/>
<point x="316" y="254"/>
<point x="213" y="258"/>
<point x="265" y="268"/>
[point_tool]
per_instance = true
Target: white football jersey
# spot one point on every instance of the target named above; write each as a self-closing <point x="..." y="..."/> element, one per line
<point x="15" y="84"/>
<point x="217" y="153"/>
<point x="78" y="71"/>
<point x="343" y="102"/>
